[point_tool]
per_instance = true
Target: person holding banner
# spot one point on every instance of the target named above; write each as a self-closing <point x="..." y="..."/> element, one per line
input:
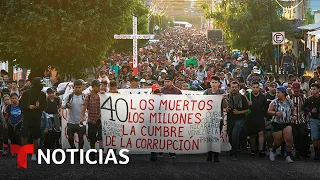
<point x="113" y="87"/>
<point x="237" y="109"/>
<point x="169" y="88"/>
<point x="215" y="90"/>
<point x="74" y="103"/>
<point x="92" y="104"/>
<point x="134" y="83"/>
<point x="156" y="89"/>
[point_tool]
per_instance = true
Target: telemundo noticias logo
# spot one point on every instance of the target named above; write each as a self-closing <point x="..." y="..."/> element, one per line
<point x="51" y="157"/>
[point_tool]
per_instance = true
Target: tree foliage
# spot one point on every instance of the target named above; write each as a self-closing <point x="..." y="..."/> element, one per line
<point x="66" y="34"/>
<point x="309" y="17"/>
<point x="248" y="24"/>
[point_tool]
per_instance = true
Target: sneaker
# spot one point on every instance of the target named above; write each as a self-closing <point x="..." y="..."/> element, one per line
<point x="272" y="156"/>
<point x="289" y="160"/>
<point x="173" y="157"/>
<point x="234" y="158"/>
<point x="34" y="157"/>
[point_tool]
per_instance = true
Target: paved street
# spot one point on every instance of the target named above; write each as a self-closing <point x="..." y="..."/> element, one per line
<point x="184" y="167"/>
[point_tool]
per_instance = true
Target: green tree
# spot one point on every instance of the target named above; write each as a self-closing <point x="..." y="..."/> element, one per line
<point x="248" y="24"/>
<point x="309" y="17"/>
<point x="66" y="34"/>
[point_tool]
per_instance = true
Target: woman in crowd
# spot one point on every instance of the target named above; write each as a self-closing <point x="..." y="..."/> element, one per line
<point x="281" y="110"/>
<point x="14" y="120"/>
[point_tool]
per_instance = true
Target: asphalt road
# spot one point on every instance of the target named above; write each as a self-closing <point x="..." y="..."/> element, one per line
<point x="184" y="167"/>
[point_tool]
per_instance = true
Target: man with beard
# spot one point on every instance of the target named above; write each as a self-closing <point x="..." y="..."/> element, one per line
<point x="255" y="121"/>
<point x="32" y="103"/>
<point x="237" y="109"/>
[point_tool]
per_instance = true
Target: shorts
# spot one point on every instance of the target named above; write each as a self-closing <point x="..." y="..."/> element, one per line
<point x="31" y="127"/>
<point x="75" y="128"/>
<point x="255" y="125"/>
<point x="94" y="132"/>
<point x="315" y="129"/>
<point x="278" y="127"/>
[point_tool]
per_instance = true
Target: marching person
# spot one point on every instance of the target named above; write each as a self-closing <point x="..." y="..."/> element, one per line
<point x="299" y="123"/>
<point x="156" y="89"/>
<point x="255" y="120"/>
<point x="74" y="102"/>
<point x="237" y="109"/>
<point x="53" y="109"/>
<point x="311" y="106"/>
<point x="33" y="102"/>
<point x="169" y="88"/>
<point x="281" y="110"/>
<point x="92" y="104"/>
<point x="271" y="95"/>
<point x="14" y="120"/>
<point x="215" y="90"/>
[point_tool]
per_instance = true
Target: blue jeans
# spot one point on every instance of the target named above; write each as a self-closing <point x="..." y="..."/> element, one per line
<point x="315" y="129"/>
<point x="236" y="130"/>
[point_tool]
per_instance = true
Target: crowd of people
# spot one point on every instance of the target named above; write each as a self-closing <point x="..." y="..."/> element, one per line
<point x="271" y="116"/>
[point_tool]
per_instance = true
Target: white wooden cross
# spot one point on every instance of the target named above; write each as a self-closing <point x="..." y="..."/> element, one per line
<point x="134" y="36"/>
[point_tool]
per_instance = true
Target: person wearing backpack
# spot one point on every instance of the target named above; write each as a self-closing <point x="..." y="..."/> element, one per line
<point x="14" y="120"/>
<point x="73" y="102"/>
<point x="54" y="119"/>
<point x="255" y="118"/>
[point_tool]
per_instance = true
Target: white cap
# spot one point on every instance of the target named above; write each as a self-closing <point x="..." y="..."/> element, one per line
<point x="261" y="85"/>
<point x="239" y="58"/>
<point x="163" y="71"/>
<point x="255" y="67"/>
<point x="253" y="58"/>
<point x="245" y="65"/>
<point x="143" y="81"/>
<point x="256" y="71"/>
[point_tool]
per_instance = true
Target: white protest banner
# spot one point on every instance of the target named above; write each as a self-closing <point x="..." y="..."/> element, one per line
<point x="135" y="91"/>
<point x="167" y="123"/>
<point x="64" y="113"/>
<point x="148" y="91"/>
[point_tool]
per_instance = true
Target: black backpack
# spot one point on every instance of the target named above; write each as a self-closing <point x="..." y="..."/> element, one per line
<point x="70" y="98"/>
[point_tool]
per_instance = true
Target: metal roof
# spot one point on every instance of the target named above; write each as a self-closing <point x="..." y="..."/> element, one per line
<point x="310" y="26"/>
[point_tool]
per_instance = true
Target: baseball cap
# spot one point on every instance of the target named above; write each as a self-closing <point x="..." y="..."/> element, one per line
<point x="37" y="81"/>
<point x="170" y="78"/>
<point x="143" y="81"/>
<point x="256" y="71"/>
<point x="245" y="65"/>
<point x="163" y="71"/>
<point x="134" y="78"/>
<point x="95" y="82"/>
<point x="50" y="90"/>
<point x="296" y="86"/>
<point x="155" y="87"/>
<point x="281" y="89"/>
<point x="274" y="84"/>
